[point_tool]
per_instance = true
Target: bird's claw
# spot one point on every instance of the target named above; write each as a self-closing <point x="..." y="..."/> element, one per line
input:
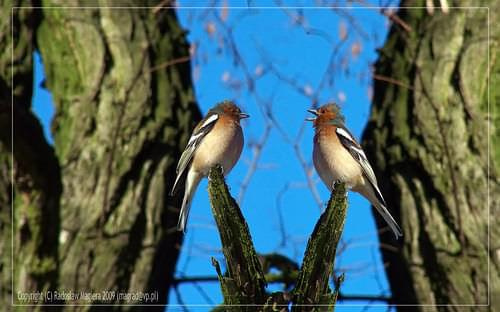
<point x="221" y="169"/>
<point x="335" y="183"/>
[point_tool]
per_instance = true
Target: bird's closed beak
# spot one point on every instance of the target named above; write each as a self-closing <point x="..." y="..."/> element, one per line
<point x="314" y="112"/>
<point x="243" y="115"/>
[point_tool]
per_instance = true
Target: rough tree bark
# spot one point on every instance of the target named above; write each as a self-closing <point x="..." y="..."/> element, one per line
<point x="428" y="141"/>
<point x="36" y="174"/>
<point x="92" y="213"/>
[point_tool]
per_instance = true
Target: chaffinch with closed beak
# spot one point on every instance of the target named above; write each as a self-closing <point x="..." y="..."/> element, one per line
<point x="338" y="157"/>
<point x="216" y="140"/>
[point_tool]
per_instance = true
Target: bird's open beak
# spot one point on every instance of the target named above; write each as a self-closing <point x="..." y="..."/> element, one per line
<point x="243" y="115"/>
<point x="314" y="112"/>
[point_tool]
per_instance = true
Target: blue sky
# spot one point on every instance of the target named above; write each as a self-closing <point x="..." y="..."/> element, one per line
<point x="268" y="34"/>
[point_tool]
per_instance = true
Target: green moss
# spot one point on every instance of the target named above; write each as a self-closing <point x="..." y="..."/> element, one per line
<point x="61" y="67"/>
<point x="242" y="263"/>
<point x="494" y="104"/>
<point x="399" y="117"/>
<point x="63" y="134"/>
<point x="317" y="267"/>
<point x="42" y="266"/>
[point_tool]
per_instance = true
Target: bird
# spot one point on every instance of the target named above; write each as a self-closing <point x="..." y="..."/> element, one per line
<point x="216" y="140"/>
<point x="337" y="156"/>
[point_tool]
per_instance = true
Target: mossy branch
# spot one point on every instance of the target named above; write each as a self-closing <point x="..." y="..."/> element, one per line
<point x="244" y="283"/>
<point x="312" y="286"/>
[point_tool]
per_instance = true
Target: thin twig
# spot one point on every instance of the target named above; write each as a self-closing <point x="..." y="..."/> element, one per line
<point x="169" y="63"/>
<point x="179" y="299"/>
<point x="393" y="81"/>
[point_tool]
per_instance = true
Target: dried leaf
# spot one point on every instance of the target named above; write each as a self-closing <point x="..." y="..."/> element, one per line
<point x="369" y="93"/>
<point x="308" y="90"/>
<point x="342" y="31"/>
<point x="210" y="28"/>
<point x="192" y="49"/>
<point x="224" y="11"/>
<point x="356" y="49"/>
<point x="196" y="72"/>
<point x="259" y="70"/>
<point x="341" y="96"/>
<point x="226" y="76"/>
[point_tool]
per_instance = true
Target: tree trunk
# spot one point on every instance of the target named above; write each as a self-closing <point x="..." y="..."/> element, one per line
<point x="37" y="183"/>
<point x="430" y="140"/>
<point x="94" y="214"/>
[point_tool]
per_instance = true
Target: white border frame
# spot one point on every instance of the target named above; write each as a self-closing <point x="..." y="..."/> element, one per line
<point x="237" y="7"/>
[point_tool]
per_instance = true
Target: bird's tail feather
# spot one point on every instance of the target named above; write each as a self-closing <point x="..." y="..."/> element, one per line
<point x="186" y="205"/>
<point x="174" y="189"/>
<point x="389" y="219"/>
<point x="192" y="181"/>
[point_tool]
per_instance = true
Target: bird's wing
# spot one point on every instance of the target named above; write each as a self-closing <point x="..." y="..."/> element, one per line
<point x="199" y="132"/>
<point x="357" y="153"/>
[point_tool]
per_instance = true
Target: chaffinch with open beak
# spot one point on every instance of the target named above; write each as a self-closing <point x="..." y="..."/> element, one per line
<point x="338" y="157"/>
<point x="216" y="140"/>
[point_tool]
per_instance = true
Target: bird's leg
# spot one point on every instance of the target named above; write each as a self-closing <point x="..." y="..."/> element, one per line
<point x="335" y="183"/>
<point x="221" y="169"/>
